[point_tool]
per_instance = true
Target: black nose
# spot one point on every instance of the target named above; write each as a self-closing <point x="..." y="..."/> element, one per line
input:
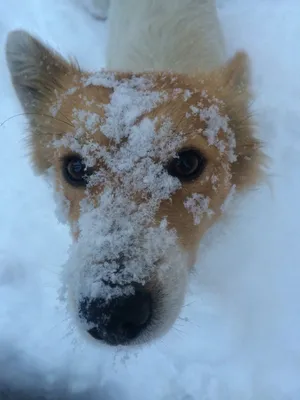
<point x="120" y="320"/>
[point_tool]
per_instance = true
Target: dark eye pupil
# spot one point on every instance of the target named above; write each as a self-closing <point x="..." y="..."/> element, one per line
<point x="188" y="165"/>
<point x="76" y="167"/>
<point x="75" y="171"/>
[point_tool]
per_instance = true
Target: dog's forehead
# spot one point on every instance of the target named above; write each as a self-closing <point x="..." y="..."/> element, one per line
<point x="131" y="98"/>
<point x="147" y="114"/>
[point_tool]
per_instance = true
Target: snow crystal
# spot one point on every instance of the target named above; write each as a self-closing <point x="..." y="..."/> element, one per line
<point x="102" y="78"/>
<point x="89" y="120"/>
<point x="126" y="105"/>
<point x="215" y="123"/>
<point x="54" y="109"/>
<point x="198" y="205"/>
<point x="194" y="109"/>
<point x="187" y="94"/>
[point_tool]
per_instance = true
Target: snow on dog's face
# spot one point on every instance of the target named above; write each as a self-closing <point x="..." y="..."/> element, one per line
<point x="142" y="165"/>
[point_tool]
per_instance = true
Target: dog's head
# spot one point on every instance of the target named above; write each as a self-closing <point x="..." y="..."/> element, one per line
<point x="144" y="164"/>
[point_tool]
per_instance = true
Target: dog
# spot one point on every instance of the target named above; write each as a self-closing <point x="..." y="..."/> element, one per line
<point x="143" y="155"/>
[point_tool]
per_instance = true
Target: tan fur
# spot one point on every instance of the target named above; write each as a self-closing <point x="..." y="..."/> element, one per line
<point x="245" y="171"/>
<point x="227" y="86"/>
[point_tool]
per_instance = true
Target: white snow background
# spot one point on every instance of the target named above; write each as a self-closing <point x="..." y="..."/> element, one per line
<point x="239" y="334"/>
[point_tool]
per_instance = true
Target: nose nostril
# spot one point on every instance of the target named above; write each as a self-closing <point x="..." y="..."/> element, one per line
<point x="130" y="330"/>
<point x="136" y="315"/>
<point x="119" y="321"/>
<point x="136" y="309"/>
<point x="132" y="315"/>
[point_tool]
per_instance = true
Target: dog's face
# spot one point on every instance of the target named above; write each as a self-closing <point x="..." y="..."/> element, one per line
<point x="143" y="164"/>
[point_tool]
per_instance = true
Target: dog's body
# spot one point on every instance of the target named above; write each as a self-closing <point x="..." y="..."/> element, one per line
<point x="180" y="36"/>
<point x="145" y="155"/>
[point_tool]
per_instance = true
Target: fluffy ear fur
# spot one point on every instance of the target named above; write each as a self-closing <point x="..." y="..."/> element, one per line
<point x="35" y="70"/>
<point x="251" y="161"/>
<point x="236" y="72"/>
<point x="38" y="75"/>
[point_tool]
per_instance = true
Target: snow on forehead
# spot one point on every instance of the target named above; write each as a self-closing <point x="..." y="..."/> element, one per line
<point x="130" y="98"/>
<point x="126" y="105"/>
<point x="124" y="118"/>
<point x="111" y="80"/>
<point x="139" y="146"/>
<point x="133" y="97"/>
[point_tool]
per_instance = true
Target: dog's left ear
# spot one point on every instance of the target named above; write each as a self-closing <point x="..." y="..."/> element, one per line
<point x="36" y="71"/>
<point x="236" y="72"/>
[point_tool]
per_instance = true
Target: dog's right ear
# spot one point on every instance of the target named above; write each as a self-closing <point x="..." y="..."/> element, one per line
<point x="36" y="71"/>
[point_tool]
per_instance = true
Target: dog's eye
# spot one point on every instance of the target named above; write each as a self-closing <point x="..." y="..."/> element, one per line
<point x="188" y="165"/>
<point x="75" y="171"/>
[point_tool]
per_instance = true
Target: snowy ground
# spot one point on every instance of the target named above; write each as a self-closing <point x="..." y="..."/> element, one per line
<point x="239" y="336"/>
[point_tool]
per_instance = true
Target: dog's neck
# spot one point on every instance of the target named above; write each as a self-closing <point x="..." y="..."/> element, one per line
<point x="179" y="35"/>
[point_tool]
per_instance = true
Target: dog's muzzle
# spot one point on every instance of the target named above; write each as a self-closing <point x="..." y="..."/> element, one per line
<point x="125" y="278"/>
<point x="120" y="320"/>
